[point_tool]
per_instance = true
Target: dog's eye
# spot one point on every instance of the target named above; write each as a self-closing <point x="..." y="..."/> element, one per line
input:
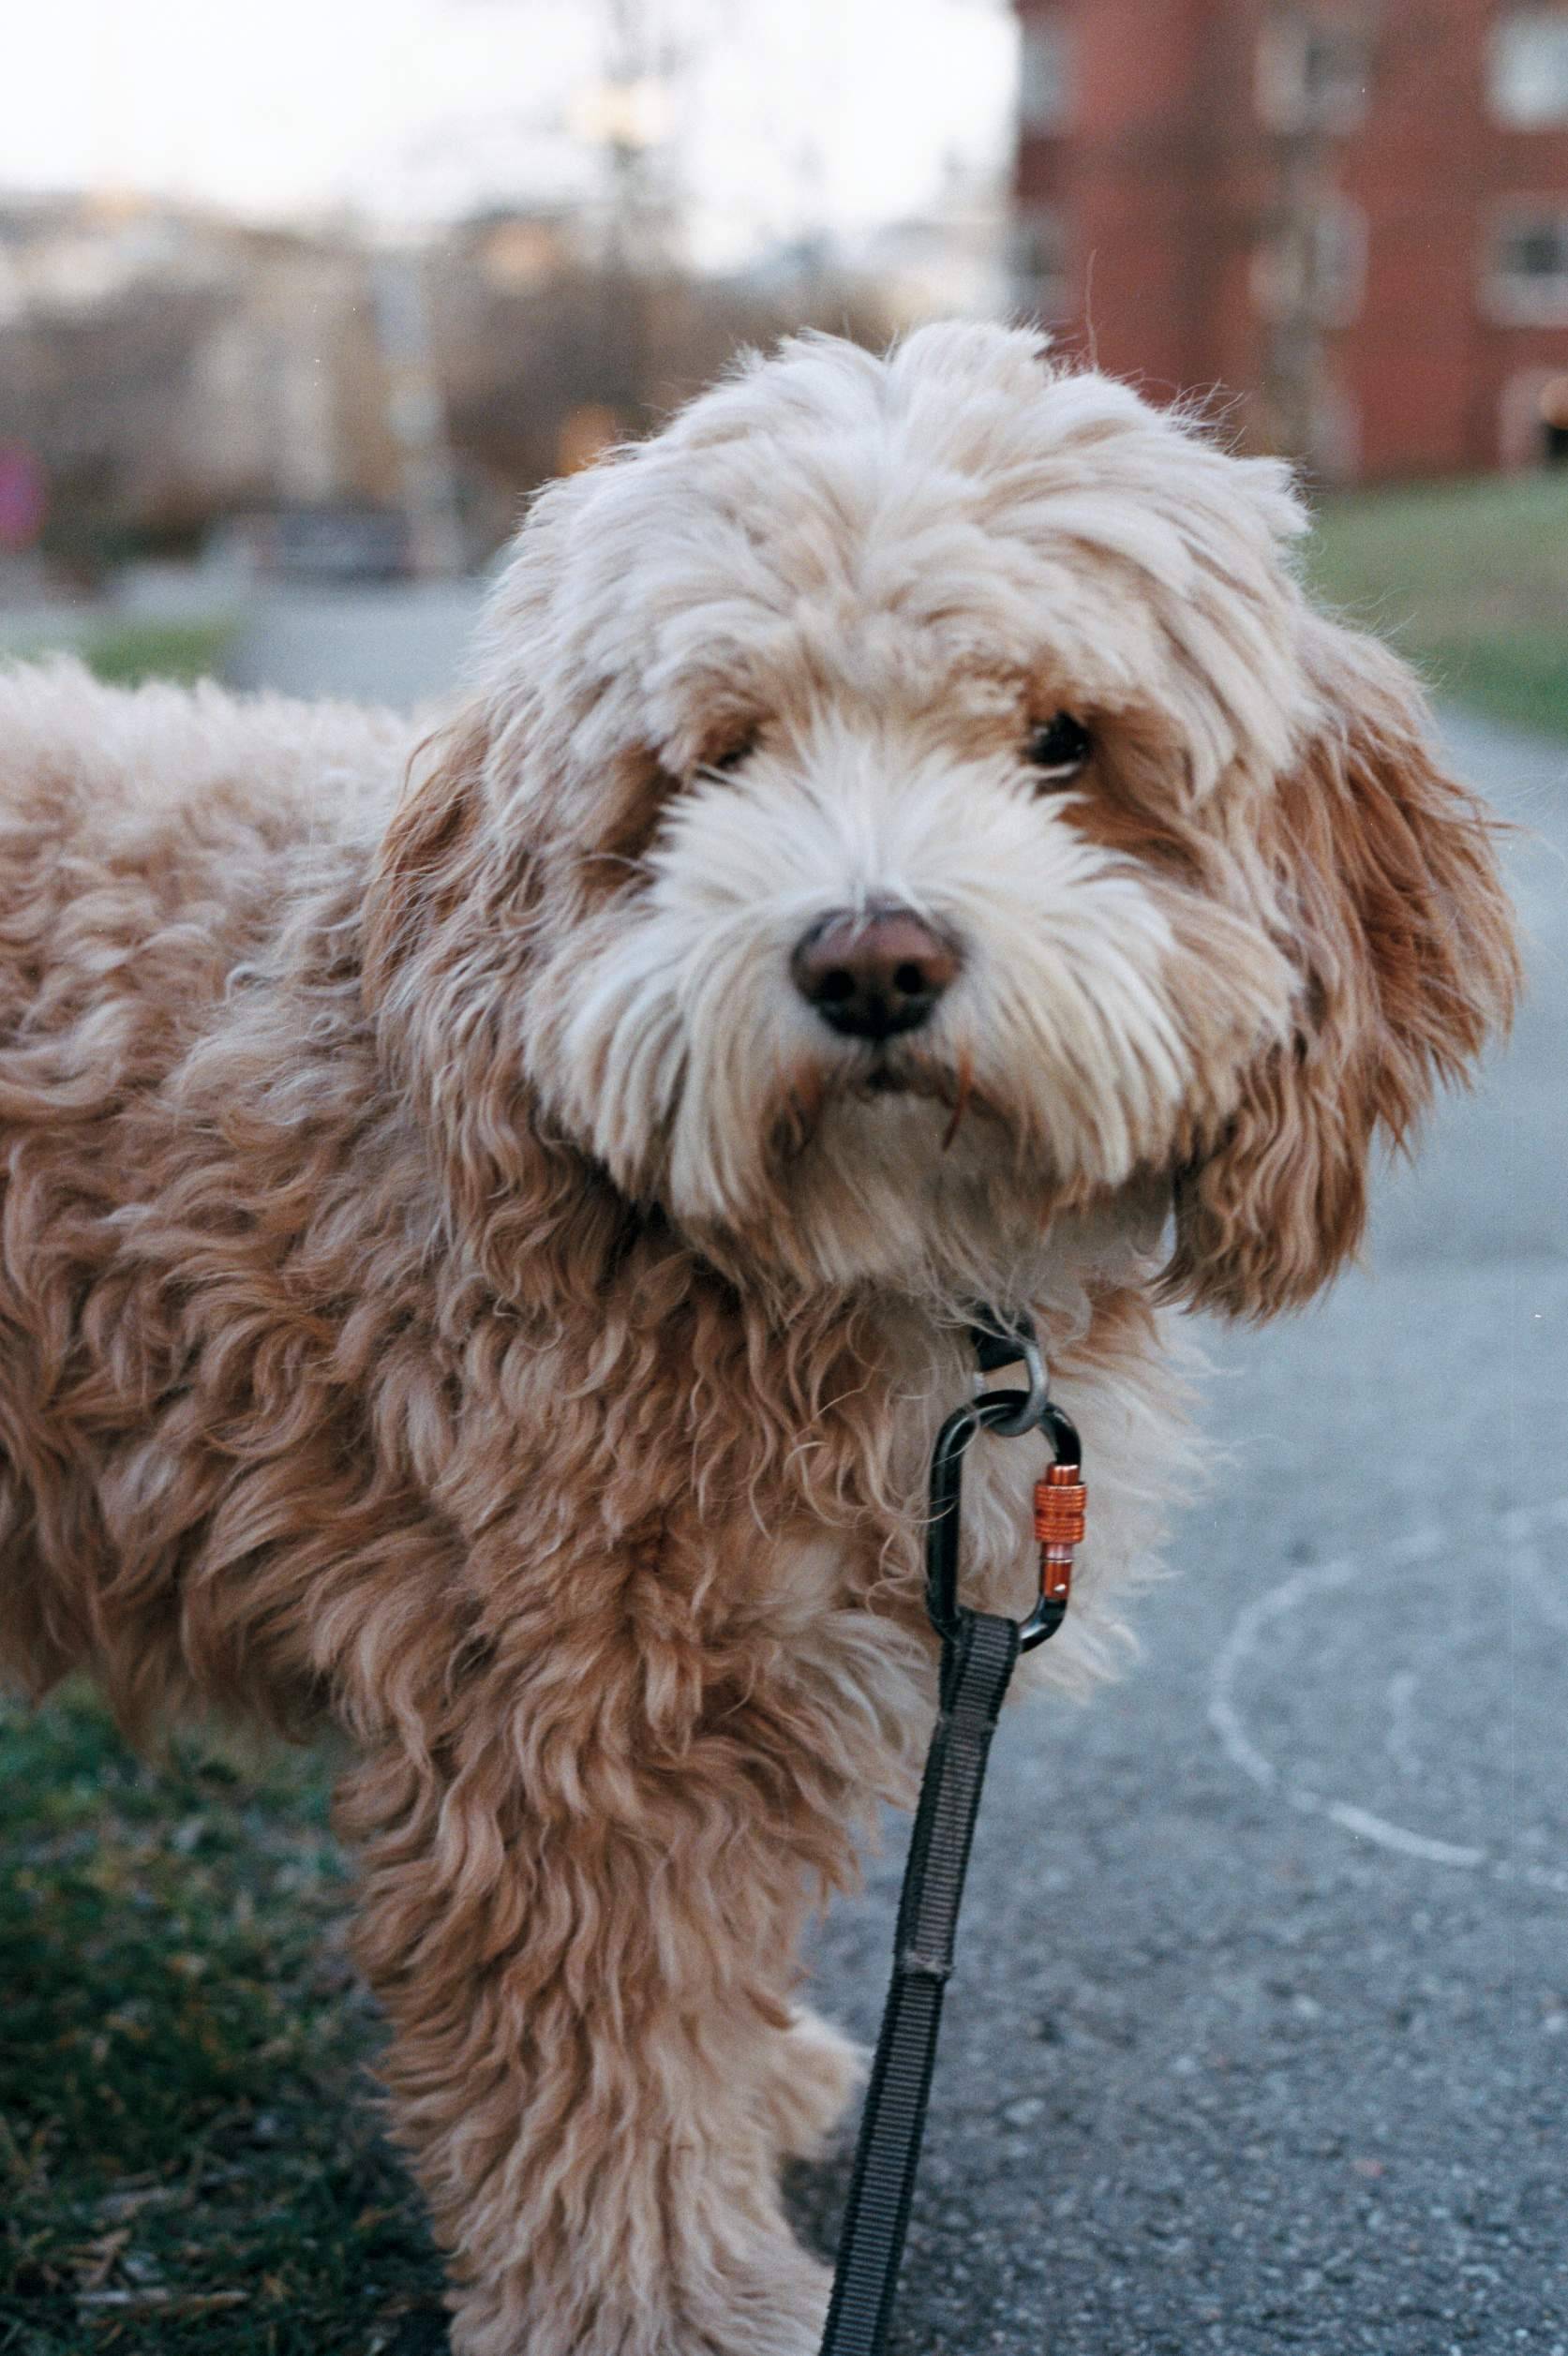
<point x="1060" y="747"/>
<point x="733" y="755"/>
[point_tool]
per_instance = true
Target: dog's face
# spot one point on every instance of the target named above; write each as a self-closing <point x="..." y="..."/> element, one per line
<point x="909" y="804"/>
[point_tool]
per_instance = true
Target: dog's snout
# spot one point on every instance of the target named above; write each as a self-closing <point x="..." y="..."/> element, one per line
<point x="871" y="976"/>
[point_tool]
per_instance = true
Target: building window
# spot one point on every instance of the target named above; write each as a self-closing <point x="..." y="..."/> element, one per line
<point x="1314" y="72"/>
<point x="1039" y="262"/>
<point x="1553" y="412"/>
<point x="1314" y="267"/>
<point x="1044" y="95"/>
<point x="1529" y="68"/>
<point x="1533" y="420"/>
<point x="1527" y="273"/>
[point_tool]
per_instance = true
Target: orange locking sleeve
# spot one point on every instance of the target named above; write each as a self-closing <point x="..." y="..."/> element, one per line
<point x="1061" y="1513"/>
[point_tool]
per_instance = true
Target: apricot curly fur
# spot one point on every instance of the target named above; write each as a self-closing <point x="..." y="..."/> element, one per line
<point x="452" y="1284"/>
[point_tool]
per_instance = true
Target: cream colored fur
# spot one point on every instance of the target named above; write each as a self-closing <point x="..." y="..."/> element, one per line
<point x="451" y="1280"/>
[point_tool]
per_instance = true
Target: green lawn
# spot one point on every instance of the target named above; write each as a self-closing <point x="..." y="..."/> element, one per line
<point x="126" y="652"/>
<point x="189" y="2147"/>
<point x="129" y="651"/>
<point x="1469" y="579"/>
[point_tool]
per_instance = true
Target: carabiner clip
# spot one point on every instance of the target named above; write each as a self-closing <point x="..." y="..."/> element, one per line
<point x="1059" y="1503"/>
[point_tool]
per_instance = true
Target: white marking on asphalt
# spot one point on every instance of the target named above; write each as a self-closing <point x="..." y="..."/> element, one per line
<point x="1243" y="1641"/>
<point x="1246" y="1642"/>
<point x="1409" y="1845"/>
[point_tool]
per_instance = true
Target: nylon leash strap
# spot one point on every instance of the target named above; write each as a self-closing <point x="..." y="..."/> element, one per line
<point x="980" y="1650"/>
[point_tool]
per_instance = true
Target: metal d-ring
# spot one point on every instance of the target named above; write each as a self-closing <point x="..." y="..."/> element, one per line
<point x="1034" y="1401"/>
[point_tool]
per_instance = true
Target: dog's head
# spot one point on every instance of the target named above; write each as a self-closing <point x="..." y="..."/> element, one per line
<point x="908" y="803"/>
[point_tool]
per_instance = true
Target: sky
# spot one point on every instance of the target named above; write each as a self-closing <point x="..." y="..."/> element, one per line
<point x="786" y="117"/>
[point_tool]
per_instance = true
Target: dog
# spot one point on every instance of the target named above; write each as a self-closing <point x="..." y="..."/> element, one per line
<point x="491" y="1224"/>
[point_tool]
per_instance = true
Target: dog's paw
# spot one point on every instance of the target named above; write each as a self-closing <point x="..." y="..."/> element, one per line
<point x="780" y="2310"/>
<point x="775" y="2306"/>
<point x="816" y="2072"/>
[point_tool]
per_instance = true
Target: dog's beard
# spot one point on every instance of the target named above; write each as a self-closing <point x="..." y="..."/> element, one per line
<point x="1053" y="1077"/>
<point x="905" y="1174"/>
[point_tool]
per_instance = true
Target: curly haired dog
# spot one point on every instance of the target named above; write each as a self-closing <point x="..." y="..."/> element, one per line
<point x="486" y="1262"/>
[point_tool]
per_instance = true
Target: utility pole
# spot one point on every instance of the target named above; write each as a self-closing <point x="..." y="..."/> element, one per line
<point x="627" y="115"/>
<point x="1294" y="372"/>
<point x="416" y="413"/>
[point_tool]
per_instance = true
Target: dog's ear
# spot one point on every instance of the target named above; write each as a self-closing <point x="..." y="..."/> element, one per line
<point x="427" y="864"/>
<point x="442" y="960"/>
<point x="1383" y="869"/>
<point x="450" y="913"/>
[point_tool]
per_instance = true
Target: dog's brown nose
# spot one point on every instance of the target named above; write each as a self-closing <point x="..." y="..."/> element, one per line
<point x="872" y="974"/>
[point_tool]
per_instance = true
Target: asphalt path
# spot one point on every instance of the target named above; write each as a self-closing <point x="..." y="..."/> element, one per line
<point x="1258" y="2037"/>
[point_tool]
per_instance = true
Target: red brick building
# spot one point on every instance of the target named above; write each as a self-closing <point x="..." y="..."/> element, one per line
<point x="1350" y="215"/>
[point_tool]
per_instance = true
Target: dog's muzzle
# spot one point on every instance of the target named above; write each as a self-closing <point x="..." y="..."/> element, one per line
<point x="873" y="973"/>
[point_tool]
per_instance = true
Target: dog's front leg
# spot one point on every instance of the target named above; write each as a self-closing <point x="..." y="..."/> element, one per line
<point x="583" y="1941"/>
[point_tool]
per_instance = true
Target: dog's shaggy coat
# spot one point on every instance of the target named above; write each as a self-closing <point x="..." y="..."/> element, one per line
<point x="450" y="1279"/>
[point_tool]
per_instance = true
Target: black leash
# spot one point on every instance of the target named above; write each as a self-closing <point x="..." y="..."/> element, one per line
<point x="980" y="1650"/>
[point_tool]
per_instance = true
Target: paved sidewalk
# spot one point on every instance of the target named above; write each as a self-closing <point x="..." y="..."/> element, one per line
<point x="399" y="646"/>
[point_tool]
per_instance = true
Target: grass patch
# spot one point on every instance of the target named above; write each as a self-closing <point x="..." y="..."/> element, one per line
<point x="126" y="652"/>
<point x="1469" y="580"/>
<point x="189" y="2158"/>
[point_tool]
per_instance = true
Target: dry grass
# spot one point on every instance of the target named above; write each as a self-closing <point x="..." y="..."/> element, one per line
<point x="190" y="2150"/>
